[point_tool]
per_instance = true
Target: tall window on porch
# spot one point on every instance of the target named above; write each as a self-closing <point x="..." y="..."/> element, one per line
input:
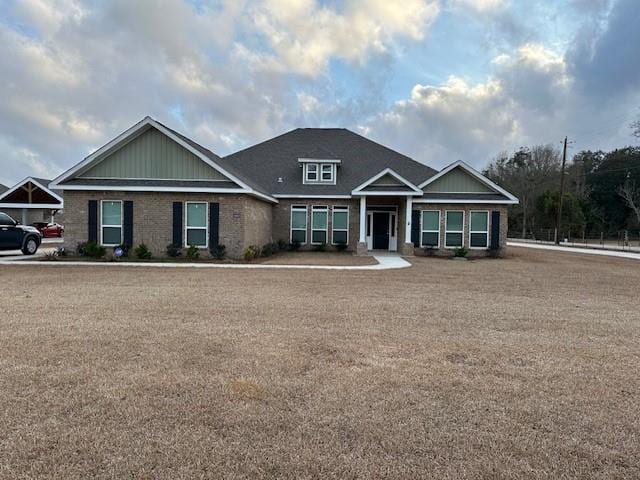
<point x="479" y="230"/>
<point x="340" y="225"/>
<point x="111" y="223"/>
<point x="319" y="224"/>
<point x="454" y="224"/>
<point x="299" y="225"/>
<point x="431" y="228"/>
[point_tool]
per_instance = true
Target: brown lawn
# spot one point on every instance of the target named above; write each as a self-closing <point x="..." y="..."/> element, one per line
<point x="526" y="367"/>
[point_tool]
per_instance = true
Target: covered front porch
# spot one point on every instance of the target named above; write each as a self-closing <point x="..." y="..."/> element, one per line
<point x="385" y="224"/>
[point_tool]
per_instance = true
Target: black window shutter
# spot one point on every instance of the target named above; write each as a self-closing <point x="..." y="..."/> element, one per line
<point x="177" y="223"/>
<point x="93" y="221"/>
<point x="214" y="222"/>
<point x="128" y="223"/>
<point x="495" y="230"/>
<point x="415" y="228"/>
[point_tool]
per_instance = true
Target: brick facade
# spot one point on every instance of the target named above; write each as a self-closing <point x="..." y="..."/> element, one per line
<point x="466" y="208"/>
<point x="243" y="219"/>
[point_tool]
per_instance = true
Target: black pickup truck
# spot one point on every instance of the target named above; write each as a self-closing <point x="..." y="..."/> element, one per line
<point x="14" y="236"/>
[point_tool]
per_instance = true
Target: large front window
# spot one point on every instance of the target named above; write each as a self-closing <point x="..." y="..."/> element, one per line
<point x="319" y="224"/>
<point x="196" y="224"/>
<point x="340" y="225"/>
<point x="299" y="225"/>
<point x="111" y="223"/>
<point x="430" y="228"/>
<point x="479" y="230"/>
<point x="454" y="229"/>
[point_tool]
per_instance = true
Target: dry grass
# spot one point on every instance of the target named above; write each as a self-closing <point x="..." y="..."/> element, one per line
<point x="519" y="368"/>
<point x="318" y="258"/>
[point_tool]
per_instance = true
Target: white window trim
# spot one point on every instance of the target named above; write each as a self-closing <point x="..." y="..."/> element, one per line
<point x="102" y="226"/>
<point x="341" y="208"/>
<point x="320" y="208"/>
<point x="205" y="228"/>
<point x="331" y="168"/>
<point x="446" y="213"/>
<point x="318" y="173"/>
<point x="479" y="231"/>
<point x="422" y="230"/>
<point x="299" y="208"/>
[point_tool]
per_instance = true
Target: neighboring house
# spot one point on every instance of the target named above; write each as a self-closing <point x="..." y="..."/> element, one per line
<point x="310" y="186"/>
<point x="31" y="200"/>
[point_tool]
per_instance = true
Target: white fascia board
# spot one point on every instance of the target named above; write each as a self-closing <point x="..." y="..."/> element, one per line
<point x="319" y="160"/>
<point x="33" y="206"/>
<point x="312" y="196"/>
<point x="35" y="182"/>
<point x="386" y="171"/>
<point x="473" y="172"/>
<point x="443" y="200"/>
<point x="385" y="194"/>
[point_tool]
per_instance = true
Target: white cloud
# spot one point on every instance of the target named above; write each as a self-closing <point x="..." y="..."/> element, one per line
<point x="478" y="5"/>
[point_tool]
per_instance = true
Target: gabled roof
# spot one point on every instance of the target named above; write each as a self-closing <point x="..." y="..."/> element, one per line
<point x="369" y="188"/>
<point x="47" y="198"/>
<point x="474" y="173"/>
<point x="361" y="158"/>
<point x="65" y="181"/>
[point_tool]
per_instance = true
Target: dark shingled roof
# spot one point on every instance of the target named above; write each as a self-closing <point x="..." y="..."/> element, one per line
<point x="361" y="159"/>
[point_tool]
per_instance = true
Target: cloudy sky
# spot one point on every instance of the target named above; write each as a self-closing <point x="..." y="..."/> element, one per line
<point x="439" y="80"/>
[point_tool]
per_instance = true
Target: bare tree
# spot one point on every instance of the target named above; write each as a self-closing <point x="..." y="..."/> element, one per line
<point x="631" y="196"/>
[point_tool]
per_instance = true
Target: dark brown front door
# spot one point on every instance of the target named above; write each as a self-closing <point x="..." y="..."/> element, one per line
<point x="380" y="230"/>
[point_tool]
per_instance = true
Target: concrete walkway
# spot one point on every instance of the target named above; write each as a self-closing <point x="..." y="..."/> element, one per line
<point x="384" y="263"/>
<point x="584" y="251"/>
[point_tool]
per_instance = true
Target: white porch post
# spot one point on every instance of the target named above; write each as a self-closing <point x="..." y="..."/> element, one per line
<point x="408" y="208"/>
<point x="363" y="219"/>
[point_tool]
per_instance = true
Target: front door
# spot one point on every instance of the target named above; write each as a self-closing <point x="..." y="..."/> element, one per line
<point x="380" y="230"/>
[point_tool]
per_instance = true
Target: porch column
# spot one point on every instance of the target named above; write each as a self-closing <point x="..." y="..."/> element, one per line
<point x="363" y="219"/>
<point x="407" y="214"/>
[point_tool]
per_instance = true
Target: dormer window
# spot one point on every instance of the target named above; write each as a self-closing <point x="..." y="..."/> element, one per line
<point x="319" y="171"/>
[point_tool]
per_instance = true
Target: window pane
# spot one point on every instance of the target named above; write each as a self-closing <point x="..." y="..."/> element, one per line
<point x="312" y="167"/>
<point x="454" y="221"/>
<point x="196" y="237"/>
<point x="196" y="214"/>
<point x="479" y="240"/>
<point x="111" y="213"/>
<point x="299" y="236"/>
<point x="430" y="239"/>
<point x="319" y="236"/>
<point x="479" y="221"/>
<point x="320" y="220"/>
<point x="454" y="239"/>
<point x="430" y="221"/>
<point x="299" y="219"/>
<point x="340" y="220"/>
<point x="327" y="171"/>
<point x="340" y="237"/>
<point x="111" y="235"/>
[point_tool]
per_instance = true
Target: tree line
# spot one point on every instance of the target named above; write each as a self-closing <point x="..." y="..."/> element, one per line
<point x="601" y="195"/>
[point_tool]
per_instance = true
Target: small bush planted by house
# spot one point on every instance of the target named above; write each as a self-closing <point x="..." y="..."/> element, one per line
<point x="142" y="252"/>
<point x="294" y="246"/>
<point x="174" y="250"/>
<point x="460" y="252"/>
<point x="341" y="246"/>
<point x="91" y="249"/>
<point x="251" y="252"/>
<point x="321" y="247"/>
<point x="269" y="249"/>
<point x="193" y="253"/>
<point x="282" y="245"/>
<point x="218" y="252"/>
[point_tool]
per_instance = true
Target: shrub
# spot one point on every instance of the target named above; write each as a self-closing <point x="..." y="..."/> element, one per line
<point x="142" y="252"/>
<point x="91" y="249"/>
<point x="321" y="247"/>
<point x="218" y="252"/>
<point x="282" y="245"/>
<point x="341" y="247"/>
<point x="174" y="250"/>
<point x="193" y="253"/>
<point x="460" y="252"/>
<point x="251" y="252"/>
<point x="294" y="246"/>
<point x="268" y="250"/>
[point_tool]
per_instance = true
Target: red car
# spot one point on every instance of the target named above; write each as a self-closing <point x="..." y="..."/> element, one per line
<point x="50" y="229"/>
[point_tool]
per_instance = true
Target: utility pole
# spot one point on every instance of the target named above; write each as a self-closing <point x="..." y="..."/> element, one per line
<point x="559" y="217"/>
